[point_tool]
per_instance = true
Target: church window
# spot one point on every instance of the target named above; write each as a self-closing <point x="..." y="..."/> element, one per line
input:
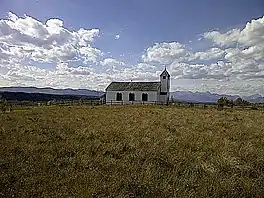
<point x="118" y="96"/>
<point x="131" y="97"/>
<point x="144" y="97"/>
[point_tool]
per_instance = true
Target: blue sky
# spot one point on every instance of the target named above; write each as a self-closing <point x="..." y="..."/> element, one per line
<point x="141" y="24"/>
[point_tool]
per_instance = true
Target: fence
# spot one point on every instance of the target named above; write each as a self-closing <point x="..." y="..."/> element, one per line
<point x="22" y="104"/>
<point x="216" y="106"/>
<point x="59" y="103"/>
<point x="126" y="102"/>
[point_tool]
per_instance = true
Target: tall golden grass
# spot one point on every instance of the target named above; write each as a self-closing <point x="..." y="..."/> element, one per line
<point x="131" y="151"/>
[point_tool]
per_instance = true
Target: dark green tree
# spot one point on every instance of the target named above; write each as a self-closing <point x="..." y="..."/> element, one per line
<point x="223" y="101"/>
<point x="239" y="101"/>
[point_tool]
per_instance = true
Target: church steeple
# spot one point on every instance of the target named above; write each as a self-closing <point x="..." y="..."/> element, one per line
<point x="165" y="73"/>
<point x="165" y="81"/>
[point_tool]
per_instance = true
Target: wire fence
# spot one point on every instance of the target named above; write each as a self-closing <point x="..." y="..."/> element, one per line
<point x="54" y="102"/>
<point x="12" y="105"/>
<point x="252" y="106"/>
<point x="127" y="102"/>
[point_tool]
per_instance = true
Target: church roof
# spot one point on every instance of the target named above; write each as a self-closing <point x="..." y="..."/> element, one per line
<point x="133" y="86"/>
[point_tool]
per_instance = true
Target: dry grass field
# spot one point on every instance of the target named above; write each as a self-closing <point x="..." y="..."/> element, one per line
<point x="131" y="151"/>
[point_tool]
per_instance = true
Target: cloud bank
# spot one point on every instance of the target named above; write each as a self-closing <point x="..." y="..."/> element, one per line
<point x="37" y="53"/>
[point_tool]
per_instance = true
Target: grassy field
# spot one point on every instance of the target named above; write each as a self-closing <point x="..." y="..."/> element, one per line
<point x="131" y="151"/>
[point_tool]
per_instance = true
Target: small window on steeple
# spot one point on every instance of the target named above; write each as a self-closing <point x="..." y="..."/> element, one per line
<point x="164" y="77"/>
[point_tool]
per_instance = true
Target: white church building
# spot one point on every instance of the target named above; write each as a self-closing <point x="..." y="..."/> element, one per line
<point x="139" y="92"/>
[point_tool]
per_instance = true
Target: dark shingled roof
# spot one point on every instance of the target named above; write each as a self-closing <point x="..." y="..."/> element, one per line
<point x="133" y="86"/>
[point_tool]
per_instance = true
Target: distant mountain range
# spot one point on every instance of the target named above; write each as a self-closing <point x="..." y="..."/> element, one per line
<point x="48" y="90"/>
<point x="187" y="96"/>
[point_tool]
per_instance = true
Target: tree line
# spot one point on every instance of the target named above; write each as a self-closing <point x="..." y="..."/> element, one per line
<point x="224" y="101"/>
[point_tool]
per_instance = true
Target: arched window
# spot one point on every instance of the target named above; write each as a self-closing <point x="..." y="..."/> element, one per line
<point x="144" y="97"/>
<point x="118" y="96"/>
<point x="131" y="97"/>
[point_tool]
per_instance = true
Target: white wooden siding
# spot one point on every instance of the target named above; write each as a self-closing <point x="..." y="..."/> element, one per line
<point x="152" y="97"/>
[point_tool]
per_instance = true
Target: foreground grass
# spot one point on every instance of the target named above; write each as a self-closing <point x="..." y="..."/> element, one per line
<point x="131" y="151"/>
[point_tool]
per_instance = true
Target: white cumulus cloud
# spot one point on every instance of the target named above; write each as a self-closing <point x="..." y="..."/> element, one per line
<point x="166" y="53"/>
<point x="45" y="42"/>
<point x="213" y="53"/>
<point x="111" y="62"/>
<point x="117" y="37"/>
<point x="46" y="53"/>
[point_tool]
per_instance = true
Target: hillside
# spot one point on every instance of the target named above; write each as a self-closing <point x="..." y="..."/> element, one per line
<point x="85" y="92"/>
<point x="21" y="96"/>
<point x="205" y="97"/>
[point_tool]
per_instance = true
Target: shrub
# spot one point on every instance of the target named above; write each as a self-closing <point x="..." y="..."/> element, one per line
<point x="4" y="105"/>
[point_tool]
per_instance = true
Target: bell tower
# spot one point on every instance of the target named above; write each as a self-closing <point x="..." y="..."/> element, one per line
<point x="164" y="87"/>
<point x="165" y="82"/>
